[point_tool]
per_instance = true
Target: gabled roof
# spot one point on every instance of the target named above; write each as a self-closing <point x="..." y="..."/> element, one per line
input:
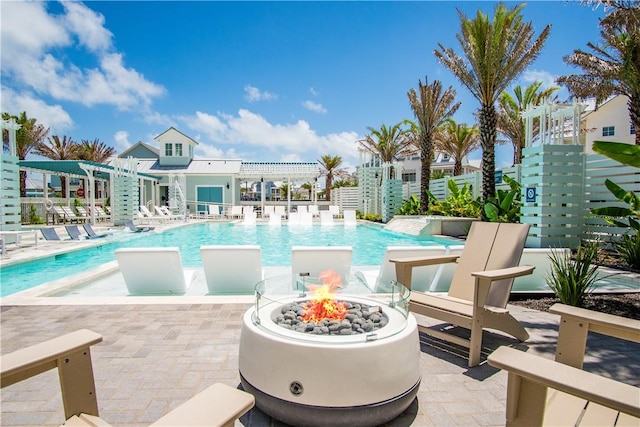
<point x="201" y="166"/>
<point x="154" y="152"/>
<point x="172" y="129"/>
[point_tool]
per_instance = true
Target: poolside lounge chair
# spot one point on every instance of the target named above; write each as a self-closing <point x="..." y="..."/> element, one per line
<point x="49" y="233"/>
<point x="541" y="391"/>
<point x="231" y="269"/>
<point x="350" y="217"/>
<point x="275" y="220"/>
<point x="71" y="214"/>
<point x="313" y="209"/>
<point x="235" y="212"/>
<point x="214" y="211"/>
<point x="301" y="208"/>
<point x="153" y="271"/>
<point x="268" y="210"/>
<point x="306" y="218"/>
<point x="335" y="210"/>
<point x="74" y="232"/>
<point x="129" y="225"/>
<point x="480" y="288"/>
<point x="91" y="232"/>
<point x="146" y="213"/>
<point x="249" y="218"/>
<point x="295" y="218"/>
<point x="101" y="214"/>
<point x="84" y="214"/>
<point x="313" y="260"/>
<point x="280" y="209"/>
<point x="70" y="355"/>
<point x="326" y="218"/>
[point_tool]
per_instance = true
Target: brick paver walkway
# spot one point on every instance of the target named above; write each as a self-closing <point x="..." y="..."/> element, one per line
<point x="154" y="357"/>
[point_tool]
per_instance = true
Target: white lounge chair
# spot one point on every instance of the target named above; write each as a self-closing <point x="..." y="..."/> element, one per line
<point x="231" y="269"/>
<point x="247" y="209"/>
<point x="101" y="214"/>
<point x="149" y="271"/>
<point x="235" y="212"/>
<point x="313" y="209"/>
<point x="280" y="209"/>
<point x="326" y="218"/>
<point x="313" y="260"/>
<point x="294" y="218"/>
<point x="302" y="208"/>
<point x="70" y="214"/>
<point x="335" y="210"/>
<point x="350" y="217"/>
<point x="268" y="210"/>
<point x="275" y="220"/>
<point x="214" y="211"/>
<point x="249" y="218"/>
<point x="306" y="218"/>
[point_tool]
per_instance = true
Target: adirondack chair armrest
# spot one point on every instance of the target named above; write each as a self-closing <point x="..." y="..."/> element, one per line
<point x="71" y="355"/>
<point x="576" y="323"/>
<point x="505" y="273"/>
<point x="404" y="266"/>
<point x="530" y="375"/>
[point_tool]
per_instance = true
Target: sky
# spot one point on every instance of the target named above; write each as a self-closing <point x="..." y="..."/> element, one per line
<point x="257" y="81"/>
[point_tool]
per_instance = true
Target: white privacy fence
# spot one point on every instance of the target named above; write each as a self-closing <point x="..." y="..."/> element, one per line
<point x="560" y="186"/>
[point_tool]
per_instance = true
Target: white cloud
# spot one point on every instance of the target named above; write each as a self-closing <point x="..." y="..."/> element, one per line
<point x="264" y="140"/>
<point x="253" y="94"/>
<point x="545" y="77"/>
<point x="121" y="141"/>
<point x="29" y="36"/>
<point x="313" y="92"/>
<point x="310" y="105"/>
<point x="51" y="116"/>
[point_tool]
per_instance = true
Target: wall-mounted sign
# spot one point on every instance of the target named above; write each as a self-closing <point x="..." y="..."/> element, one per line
<point x="530" y="194"/>
<point x="497" y="177"/>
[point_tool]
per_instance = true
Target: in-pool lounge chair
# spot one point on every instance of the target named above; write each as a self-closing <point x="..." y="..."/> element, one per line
<point x="129" y="225"/>
<point x="234" y="269"/>
<point x="480" y="287"/>
<point x="153" y="271"/>
<point x="49" y="233"/>
<point x="313" y="260"/>
<point x="91" y="232"/>
<point x="74" y="232"/>
<point x="350" y="217"/>
<point x="70" y="355"/>
<point x="542" y="391"/>
<point x="326" y="218"/>
<point x="249" y="218"/>
<point x="275" y="220"/>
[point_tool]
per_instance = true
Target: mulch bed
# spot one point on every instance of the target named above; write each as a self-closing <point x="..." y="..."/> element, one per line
<point x="625" y="305"/>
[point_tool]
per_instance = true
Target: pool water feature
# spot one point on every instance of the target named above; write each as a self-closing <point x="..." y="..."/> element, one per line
<point x="369" y="243"/>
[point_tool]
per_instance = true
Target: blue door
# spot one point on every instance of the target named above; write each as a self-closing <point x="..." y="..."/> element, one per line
<point x="208" y="195"/>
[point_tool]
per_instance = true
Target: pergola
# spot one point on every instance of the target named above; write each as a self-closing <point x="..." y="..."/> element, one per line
<point x="287" y="171"/>
<point x="82" y="169"/>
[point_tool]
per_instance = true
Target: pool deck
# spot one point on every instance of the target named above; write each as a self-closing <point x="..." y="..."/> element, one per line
<point x="160" y="351"/>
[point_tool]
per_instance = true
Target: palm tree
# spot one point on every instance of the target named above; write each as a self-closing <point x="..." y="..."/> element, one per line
<point x="95" y="151"/>
<point x="330" y="167"/>
<point x="28" y="137"/>
<point x="614" y="66"/>
<point x="510" y="121"/>
<point x="284" y="191"/>
<point x="430" y="107"/>
<point x="495" y="53"/>
<point x="457" y="140"/>
<point x="388" y="143"/>
<point x="59" y="149"/>
<point x="309" y="187"/>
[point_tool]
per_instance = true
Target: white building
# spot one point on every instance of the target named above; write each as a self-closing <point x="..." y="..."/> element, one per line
<point x="610" y="122"/>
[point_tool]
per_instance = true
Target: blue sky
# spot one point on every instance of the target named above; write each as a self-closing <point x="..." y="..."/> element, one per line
<point x="259" y="81"/>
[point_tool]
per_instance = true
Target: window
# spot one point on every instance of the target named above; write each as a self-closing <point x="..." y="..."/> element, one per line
<point x="179" y="150"/>
<point x="168" y="150"/>
<point x="608" y="130"/>
<point x="632" y="129"/>
<point x="191" y="151"/>
<point x="409" y="177"/>
<point x="445" y="157"/>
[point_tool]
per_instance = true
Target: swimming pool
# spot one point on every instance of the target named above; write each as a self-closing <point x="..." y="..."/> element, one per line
<point x="369" y="243"/>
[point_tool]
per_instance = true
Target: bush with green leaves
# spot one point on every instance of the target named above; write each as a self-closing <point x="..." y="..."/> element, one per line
<point x="505" y="205"/>
<point x="459" y="202"/>
<point x="34" y="218"/>
<point x="410" y="207"/>
<point x="572" y="277"/>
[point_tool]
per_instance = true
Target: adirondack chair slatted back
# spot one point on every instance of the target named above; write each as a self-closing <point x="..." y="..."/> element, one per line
<point x="489" y="246"/>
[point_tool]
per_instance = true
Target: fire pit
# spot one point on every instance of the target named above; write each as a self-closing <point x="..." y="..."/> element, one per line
<point x="330" y="358"/>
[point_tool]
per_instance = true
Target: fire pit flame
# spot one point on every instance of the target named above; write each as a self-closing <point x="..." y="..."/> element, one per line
<point x="323" y="305"/>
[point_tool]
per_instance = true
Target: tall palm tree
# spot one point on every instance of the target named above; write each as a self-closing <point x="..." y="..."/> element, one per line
<point x="59" y="149"/>
<point x="28" y="137"/>
<point x="388" y="143"/>
<point x="431" y="106"/>
<point x="495" y="53"/>
<point x="457" y="140"/>
<point x="330" y="167"/>
<point x="309" y="187"/>
<point x="614" y="66"/>
<point x="95" y="151"/>
<point x="510" y="108"/>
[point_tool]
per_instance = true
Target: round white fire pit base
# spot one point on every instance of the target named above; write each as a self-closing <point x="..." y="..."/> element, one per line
<point x="310" y="380"/>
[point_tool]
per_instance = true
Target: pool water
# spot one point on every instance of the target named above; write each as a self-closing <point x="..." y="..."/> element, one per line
<point x="369" y="243"/>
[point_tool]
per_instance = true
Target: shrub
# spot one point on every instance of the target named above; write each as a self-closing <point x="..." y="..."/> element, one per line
<point x="572" y="278"/>
<point x="34" y="218"/>
<point x="629" y="250"/>
<point x="459" y="202"/>
<point x="410" y="207"/>
<point x="505" y="205"/>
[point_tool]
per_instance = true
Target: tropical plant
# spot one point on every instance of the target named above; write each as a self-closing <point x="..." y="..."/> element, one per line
<point x="29" y="136"/>
<point x="438" y="174"/>
<point x="95" y="151"/>
<point x="457" y="140"/>
<point x="387" y="143"/>
<point x="34" y="218"/>
<point x="572" y="277"/>
<point x="284" y="191"/>
<point x="495" y="53"/>
<point x="430" y="106"/>
<point x="629" y="245"/>
<point x="505" y="205"/>
<point x="510" y="108"/>
<point x="372" y="217"/>
<point x="613" y="67"/>
<point x="59" y="149"/>
<point x="309" y="187"/>
<point x="459" y="202"/>
<point x="330" y="167"/>
<point x="410" y="206"/>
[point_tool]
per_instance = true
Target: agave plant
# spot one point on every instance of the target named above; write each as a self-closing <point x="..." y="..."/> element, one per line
<point x="572" y="278"/>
